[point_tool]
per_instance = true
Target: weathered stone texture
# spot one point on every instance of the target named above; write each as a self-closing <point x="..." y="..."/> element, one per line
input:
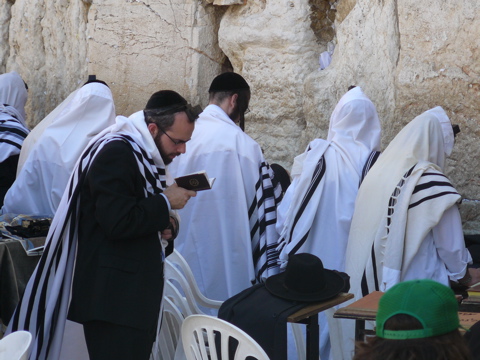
<point x="140" y="47"/>
<point x="47" y="46"/>
<point x="274" y="48"/>
<point x="408" y="56"/>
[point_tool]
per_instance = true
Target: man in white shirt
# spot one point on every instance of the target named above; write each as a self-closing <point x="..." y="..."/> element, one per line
<point x="228" y="236"/>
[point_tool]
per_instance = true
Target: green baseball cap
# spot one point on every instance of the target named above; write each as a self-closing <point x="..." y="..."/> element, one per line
<point x="434" y="305"/>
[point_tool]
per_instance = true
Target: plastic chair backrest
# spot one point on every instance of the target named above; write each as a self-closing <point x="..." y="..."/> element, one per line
<point x="179" y="261"/>
<point x="167" y="340"/>
<point x="199" y="335"/>
<point x="15" y="346"/>
<point x="175" y="279"/>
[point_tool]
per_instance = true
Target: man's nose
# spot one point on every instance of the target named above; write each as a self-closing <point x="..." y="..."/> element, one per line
<point x="182" y="148"/>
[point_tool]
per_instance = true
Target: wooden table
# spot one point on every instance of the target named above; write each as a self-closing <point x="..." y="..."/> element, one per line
<point x="309" y="316"/>
<point x="366" y="308"/>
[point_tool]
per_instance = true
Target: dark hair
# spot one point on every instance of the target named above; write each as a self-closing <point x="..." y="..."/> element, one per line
<point x="165" y="121"/>
<point x="243" y="96"/>
<point x="450" y="346"/>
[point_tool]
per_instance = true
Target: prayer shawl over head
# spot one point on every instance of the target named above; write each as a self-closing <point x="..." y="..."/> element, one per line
<point x="399" y="202"/>
<point x="43" y="308"/>
<point x="13" y="128"/>
<point x="228" y="233"/>
<point x="44" y="176"/>
<point x="316" y="211"/>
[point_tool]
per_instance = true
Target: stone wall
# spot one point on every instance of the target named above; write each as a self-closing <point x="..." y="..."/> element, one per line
<point x="408" y="56"/>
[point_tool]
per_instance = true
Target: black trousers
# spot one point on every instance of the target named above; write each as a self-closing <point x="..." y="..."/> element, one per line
<point x="107" y="341"/>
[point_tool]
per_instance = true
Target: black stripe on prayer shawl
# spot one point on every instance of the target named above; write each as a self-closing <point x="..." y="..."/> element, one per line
<point x="372" y="158"/>
<point x="32" y="305"/>
<point x="16" y="131"/>
<point x="430" y="180"/>
<point x="265" y="191"/>
<point x="317" y="176"/>
<point x="432" y="197"/>
<point x="17" y="145"/>
<point x="431" y="184"/>
<point x="364" y="283"/>
<point x="391" y="203"/>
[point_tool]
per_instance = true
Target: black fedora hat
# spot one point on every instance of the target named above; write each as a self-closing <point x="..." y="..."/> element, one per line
<point x="305" y="279"/>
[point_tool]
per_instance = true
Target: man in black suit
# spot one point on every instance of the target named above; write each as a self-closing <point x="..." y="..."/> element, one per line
<point x="110" y="234"/>
<point x="118" y="281"/>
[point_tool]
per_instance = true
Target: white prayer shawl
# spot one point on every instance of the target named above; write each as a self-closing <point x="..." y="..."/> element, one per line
<point x="422" y="146"/>
<point x="228" y="233"/>
<point x="44" y="306"/>
<point x="37" y="131"/>
<point x="416" y="207"/>
<point x="41" y="182"/>
<point x="13" y="128"/>
<point x="316" y="211"/>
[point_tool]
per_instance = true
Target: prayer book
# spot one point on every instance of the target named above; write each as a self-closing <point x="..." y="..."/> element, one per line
<point x="195" y="181"/>
<point x="474" y="291"/>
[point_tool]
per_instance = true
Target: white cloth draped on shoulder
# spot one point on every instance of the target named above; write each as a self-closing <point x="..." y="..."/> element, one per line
<point x="400" y="201"/>
<point x="42" y="180"/>
<point x="43" y="308"/>
<point x="13" y="127"/>
<point x="228" y="233"/>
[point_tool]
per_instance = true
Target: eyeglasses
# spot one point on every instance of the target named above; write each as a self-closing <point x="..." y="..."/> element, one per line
<point x="176" y="142"/>
<point x="246" y="111"/>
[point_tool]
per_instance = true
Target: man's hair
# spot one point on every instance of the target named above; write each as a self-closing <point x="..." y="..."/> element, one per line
<point x="243" y="97"/>
<point x="451" y="346"/>
<point x="162" y="107"/>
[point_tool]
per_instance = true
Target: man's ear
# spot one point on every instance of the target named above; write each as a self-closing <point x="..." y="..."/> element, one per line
<point x="232" y="101"/>
<point x="153" y="128"/>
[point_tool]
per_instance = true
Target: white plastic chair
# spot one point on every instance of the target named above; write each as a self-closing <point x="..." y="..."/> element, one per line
<point x="170" y="332"/>
<point x="15" y="346"/>
<point x="179" y="262"/>
<point x="199" y="333"/>
<point x="181" y="298"/>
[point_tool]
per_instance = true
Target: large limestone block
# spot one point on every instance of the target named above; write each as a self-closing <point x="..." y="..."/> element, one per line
<point x="140" y="47"/>
<point x="47" y="46"/>
<point x="271" y="44"/>
<point x="408" y="57"/>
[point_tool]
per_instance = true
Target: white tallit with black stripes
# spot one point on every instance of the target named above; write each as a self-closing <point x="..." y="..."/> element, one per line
<point x="13" y="128"/>
<point x="415" y="207"/>
<point x="317" y="208"/>
<point x="43" y="308"/>
<point x="228" y="233"/>
<point x="402" y="198"/>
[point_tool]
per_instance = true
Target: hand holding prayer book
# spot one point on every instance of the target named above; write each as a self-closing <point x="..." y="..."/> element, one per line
<point x="196" y="181"/>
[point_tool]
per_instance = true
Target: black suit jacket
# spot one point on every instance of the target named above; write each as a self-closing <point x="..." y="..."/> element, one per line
<point x="119" y="269"/>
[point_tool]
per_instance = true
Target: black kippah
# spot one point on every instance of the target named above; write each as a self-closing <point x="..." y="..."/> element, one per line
<point x="165" y="98"/>
<point x="228" y="81"/>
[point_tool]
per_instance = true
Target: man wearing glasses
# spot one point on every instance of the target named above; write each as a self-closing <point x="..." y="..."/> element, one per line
<point x="109" y="233"/>
<point x="228" y="232"/>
